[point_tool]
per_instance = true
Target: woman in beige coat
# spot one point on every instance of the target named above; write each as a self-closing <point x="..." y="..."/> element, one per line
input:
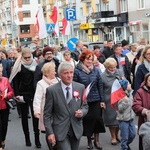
<point x="47" y="80"/>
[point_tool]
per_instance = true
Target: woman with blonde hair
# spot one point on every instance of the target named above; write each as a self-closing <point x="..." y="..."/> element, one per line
<point x="143" y="68"/>
<point x="22" y="76"/>
<point x="6" y="92"/>
<point x="47" y="80"/>
<point x="108" y="77"/>
<point x="67" y="57"/>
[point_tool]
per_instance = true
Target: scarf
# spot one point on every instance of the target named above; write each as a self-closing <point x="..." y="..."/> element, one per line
<point x="147" y="65"/>
<point x="50" y="81"/>
<point x="17" y="66"/>
<point x="86" y="69"/>
<point x="30" y="66"/>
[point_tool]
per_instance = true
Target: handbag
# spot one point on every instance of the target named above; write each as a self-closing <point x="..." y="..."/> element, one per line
<point x="11" y="103"/>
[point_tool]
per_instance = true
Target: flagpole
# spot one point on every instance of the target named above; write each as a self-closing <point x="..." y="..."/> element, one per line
<point x="71" y="22"/>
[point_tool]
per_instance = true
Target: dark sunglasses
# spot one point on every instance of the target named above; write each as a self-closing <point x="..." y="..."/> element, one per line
<point x="27" y="57"/>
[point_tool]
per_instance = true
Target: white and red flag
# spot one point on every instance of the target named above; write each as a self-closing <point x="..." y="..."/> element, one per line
<point x="117" y="93"/>
<point x="122" y="60"/>
<point x="40" y="23"/>
<point x="66" y="27"/>
<point x="87" y="91"/>
<point x="54" y="17"/>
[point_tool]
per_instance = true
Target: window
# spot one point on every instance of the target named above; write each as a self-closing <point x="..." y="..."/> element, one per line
<point x="97" y="7"/>
<point x="25" y="29"/>
<point x="141" y="4"/>
<point x="123" y="5"/>
<point x="26" y="14"/>
<point x="81" y="11"/>
<point x="106" y="6"/>
<point x="25" y="1"/>
<point x="39" y="1"/>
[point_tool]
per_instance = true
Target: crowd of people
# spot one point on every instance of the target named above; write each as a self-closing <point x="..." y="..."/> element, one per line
<point x="50" y="84"/>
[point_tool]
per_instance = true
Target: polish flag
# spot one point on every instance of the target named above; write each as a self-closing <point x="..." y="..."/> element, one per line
<point x="66" y="27"/>
<point x="86" y="91"/>
<point x="54" y="18"/>
<point x="40" y="23"/>
<point x="117" y="93"/>
<point x="122" y="61"/>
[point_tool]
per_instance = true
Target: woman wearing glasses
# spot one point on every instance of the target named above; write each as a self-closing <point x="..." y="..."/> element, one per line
<point x="22" y="76"/>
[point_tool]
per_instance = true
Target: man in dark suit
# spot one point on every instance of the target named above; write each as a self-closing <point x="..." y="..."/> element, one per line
<point x="108" y="51"/>
<point x="77" y="51"/>
<point x="64" y="110"/>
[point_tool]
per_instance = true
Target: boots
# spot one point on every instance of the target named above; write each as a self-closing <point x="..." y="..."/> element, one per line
<point x="27" y="138"/>
<point x="37" y="140"/>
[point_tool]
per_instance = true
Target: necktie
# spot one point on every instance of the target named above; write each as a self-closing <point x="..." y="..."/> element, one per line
<point x="68" y="94"/>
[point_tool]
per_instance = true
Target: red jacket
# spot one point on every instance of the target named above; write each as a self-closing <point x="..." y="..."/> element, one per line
<point x="141" y="101"/>
<point x="5" y="88"/>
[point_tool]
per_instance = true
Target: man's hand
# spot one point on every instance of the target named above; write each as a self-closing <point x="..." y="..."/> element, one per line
<point x="78" y="113"/>
<point x="52" y="139"/>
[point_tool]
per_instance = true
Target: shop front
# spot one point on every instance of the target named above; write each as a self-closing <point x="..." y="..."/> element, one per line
<point x="139" y="25"/>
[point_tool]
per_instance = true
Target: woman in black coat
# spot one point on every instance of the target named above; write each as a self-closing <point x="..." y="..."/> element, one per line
<point x="22" y="76"/>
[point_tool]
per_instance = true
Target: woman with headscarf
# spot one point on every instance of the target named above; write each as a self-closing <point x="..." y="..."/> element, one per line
<point x="22" y="76"/>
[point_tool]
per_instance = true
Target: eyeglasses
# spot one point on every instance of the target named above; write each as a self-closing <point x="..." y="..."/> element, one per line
<point x="27" y="57"/>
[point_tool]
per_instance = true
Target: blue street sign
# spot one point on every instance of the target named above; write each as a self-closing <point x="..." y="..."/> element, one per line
<point x="70" y="14"/>
<point x="72" y="43"/>
<point x="50" y="28"/>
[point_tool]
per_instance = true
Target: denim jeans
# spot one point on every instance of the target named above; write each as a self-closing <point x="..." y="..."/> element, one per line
<point x="127" y="133"/>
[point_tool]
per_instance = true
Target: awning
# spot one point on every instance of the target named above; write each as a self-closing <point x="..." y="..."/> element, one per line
<point x="134" y="23"/>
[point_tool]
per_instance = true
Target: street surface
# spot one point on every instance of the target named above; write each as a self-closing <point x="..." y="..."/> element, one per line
<point x="15" y="137"/>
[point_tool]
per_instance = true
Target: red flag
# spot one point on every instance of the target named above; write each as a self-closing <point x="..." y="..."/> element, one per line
<point x="86" y="91"/>
<point x="66" y="27"/>
<point x="122" y="61"/>
<point x="40" y="23"/>
<point x="54" y="17"/>
<point x="117" y="93"/>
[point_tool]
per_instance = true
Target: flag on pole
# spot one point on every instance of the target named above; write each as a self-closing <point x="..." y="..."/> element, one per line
<point x="40" y="23"/>
<point x="66" y="27"/>
<point x="87" y="91"/>
<point x="117" y="93"/>
<point x="54" y="17"/>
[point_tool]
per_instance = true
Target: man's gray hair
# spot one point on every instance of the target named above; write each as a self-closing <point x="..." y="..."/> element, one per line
<point x="78" y="42"/>
<point x="64" y="66"/>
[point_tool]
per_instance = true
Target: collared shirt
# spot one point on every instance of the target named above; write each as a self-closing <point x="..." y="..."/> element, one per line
<point x="64" y="89"/>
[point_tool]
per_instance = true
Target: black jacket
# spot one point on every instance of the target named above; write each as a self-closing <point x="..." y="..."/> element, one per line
<point x="38" y="73"/>
<point x="75" y="54"/>
<point x="108" y="52"/>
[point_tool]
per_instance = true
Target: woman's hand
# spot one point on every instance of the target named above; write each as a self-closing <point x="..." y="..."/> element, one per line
<point x="37" y="115"/>
<point x="102" y="105"/>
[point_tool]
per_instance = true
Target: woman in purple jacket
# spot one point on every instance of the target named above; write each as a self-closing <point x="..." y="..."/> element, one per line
<point x="141" y="104"/>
